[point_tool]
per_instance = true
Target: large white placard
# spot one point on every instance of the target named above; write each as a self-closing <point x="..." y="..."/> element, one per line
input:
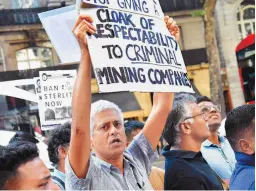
<point x="133" y="50"/>
<point x="56" y="96"/>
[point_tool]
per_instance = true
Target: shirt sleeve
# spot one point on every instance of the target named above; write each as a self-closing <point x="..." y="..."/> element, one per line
<point x="72" y="182"/>
<point x="142" y="150"/>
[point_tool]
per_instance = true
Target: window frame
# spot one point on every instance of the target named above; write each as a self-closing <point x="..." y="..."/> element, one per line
<point x="242" y="22"/>
<point x="39" y="58"/>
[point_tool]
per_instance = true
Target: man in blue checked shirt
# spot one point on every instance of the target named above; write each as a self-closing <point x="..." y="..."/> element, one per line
<point x="100" y="125"/>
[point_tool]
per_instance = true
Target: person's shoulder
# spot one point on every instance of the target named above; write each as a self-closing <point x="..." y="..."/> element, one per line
<point x="157" y="172"/>
<point x="244" y="169"/>
<point x="180" y="167"/>
<point x="156" y="178"/>
<point x="182" y="174"/>
<point x="177" y="163"/>
<point x="141" y="149"/>
<point x="244" y="174"/>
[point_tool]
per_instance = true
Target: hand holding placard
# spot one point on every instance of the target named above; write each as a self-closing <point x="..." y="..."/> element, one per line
<point x="82" y="27"/>
<point x="172" y="27"/>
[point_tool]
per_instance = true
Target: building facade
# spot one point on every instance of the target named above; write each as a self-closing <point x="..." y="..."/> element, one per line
<point x="23" y="42"/>
<point x="235" y="20"/>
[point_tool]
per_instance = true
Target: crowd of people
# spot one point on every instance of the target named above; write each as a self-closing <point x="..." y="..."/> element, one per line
<point x="99" y="151"/>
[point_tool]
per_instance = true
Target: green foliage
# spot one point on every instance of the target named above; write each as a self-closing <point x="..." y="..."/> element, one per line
<point x="198" y="13"/>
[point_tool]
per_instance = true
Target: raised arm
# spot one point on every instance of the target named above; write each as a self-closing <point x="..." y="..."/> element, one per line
<point x="80" y="143"/>
<point x="162" y="102"/>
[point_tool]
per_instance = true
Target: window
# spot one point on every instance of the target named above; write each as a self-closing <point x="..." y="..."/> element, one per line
<point x="24" y="4"/>
<point x="246" y="20"/>
<point x="31" y="58"/>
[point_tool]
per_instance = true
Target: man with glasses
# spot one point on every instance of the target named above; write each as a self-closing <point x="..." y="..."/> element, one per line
<point x="185" y="130"/>
<point x="216" y="149"/>
<point x="57" y="150"/>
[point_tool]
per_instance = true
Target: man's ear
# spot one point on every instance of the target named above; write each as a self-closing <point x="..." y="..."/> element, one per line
<point x="63" y="151"/>
<point x="245" y="147"/>
<point x="185" y="128"/>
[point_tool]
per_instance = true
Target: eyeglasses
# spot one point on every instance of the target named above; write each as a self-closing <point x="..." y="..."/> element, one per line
<point x="208" y="108"/>
<point x="204" y="116"/>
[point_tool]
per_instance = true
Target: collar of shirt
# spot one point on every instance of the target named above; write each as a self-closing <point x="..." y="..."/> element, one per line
<point x="208" y="143"/>
<point x="243" y="158"/>
<point x="128" y="162"/>
<point x="59" y="174"/>
<point x="103" y="163"/>
<point x="108" y="166"/>
<point x="180" y="153"/>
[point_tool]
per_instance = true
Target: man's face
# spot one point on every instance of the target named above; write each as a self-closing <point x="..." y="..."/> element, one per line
<point x="199" y="129"/>
<point x="109" y="140"/>
<point x="34" y="175"/>
<point x="214" y="116"/>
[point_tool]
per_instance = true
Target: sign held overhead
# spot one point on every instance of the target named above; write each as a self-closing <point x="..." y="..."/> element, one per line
<point x="137" y="52"/>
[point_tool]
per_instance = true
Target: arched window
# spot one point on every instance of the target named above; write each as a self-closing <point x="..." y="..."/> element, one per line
<point x="246" y="20"/>
<point x="36" y="57"/>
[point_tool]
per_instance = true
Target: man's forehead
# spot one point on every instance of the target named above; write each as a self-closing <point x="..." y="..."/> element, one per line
<point x="27" y="170"/>
<point x="194" y="106"/>
<point x="107" y="116"/>
<point x="205" y="103"/>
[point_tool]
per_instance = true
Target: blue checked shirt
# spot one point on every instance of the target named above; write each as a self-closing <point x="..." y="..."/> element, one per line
<point x="138" y="159"/>
<point x="220" y="158"/>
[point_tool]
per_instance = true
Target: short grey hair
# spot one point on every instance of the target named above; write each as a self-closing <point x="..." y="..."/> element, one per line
<point x="103" y="105"/>
<point x="179" y="112"/>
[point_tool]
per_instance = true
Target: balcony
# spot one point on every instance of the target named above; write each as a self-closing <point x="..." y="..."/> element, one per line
<point x="180" y="5"/>
<point x="22" y="16"/>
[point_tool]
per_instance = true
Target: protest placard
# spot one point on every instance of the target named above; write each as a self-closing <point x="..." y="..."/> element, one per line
<point x="137" y="53"/>
<point x="58" y="24"/>
<point x="56" y="93"/>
